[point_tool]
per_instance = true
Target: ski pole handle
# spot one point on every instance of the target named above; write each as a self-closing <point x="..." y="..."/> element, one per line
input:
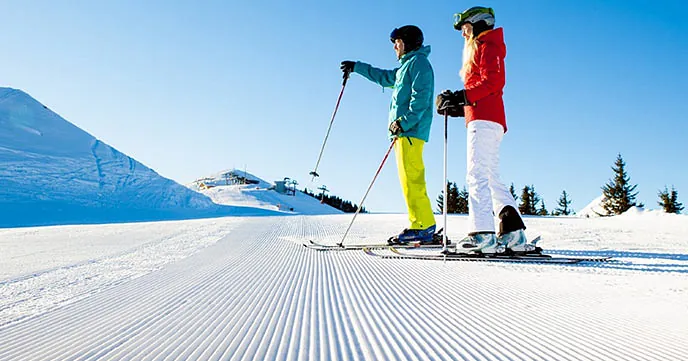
<point x="346" y="77"/>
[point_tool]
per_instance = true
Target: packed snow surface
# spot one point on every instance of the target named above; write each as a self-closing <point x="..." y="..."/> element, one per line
<point x="246" y="288"/>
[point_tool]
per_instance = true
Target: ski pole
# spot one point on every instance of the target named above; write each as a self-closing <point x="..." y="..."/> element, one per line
<point x="446" y="192"/>
<point x="360" y="205"/>
<point x="314" y="173"/>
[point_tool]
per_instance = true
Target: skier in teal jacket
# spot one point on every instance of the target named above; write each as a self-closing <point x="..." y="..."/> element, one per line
<point x="410" y="118"/>
<point x="412" y="81"/>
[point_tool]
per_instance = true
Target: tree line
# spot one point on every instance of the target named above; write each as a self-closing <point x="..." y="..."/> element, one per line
<point x="618" y="196"/>
<point x="334" y="201"/>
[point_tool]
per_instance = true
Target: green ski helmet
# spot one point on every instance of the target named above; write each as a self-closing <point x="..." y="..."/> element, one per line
<point x="474" y="15"/>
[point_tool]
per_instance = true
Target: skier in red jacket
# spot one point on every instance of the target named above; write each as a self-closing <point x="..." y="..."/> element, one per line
<point x="481" y="103"/>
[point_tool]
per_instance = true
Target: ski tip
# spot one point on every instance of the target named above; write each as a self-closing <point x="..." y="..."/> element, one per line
<point x="536" y="240"/>
<point x="368" y="251"/>
<point x="394" y="250"/>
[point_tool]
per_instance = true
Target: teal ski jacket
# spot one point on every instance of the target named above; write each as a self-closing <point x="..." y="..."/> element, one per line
<point x="414" y="85"/>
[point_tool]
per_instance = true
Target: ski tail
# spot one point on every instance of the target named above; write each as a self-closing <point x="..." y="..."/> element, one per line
<point x="395" y="253"/>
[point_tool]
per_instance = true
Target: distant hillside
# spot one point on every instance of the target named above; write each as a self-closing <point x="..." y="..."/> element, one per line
<point x="239" y="188"/>
<point x="54" y="173"/>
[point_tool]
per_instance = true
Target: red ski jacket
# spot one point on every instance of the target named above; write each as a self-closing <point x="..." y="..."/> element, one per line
<point x="484" y="83"/>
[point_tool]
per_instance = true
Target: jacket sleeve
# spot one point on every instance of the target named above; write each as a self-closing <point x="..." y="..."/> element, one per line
<point x="422" y="88"/>
<point x="492" y="77"/>
<point x="380" y="76"/>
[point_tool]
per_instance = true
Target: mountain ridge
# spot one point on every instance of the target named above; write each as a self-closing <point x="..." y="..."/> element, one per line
<point x="56" y="173"/>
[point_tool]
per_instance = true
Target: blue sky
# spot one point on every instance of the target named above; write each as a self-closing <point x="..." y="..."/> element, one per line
<point x="190" y="88"/>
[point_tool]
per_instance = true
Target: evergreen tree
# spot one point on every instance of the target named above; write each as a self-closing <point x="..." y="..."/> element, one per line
<point x="452" y="200"/>
<point x="543" y="210"/>
<point x="529" y="201"/>
<point x="462" y="202"/>
<point x="618" y="193"/>
<point x="564" y="203"/>
<point x="669" y="201"/>
<point x="512" y="190"/>
<point x="535" y="198"/>
<point x="336" y="202"/>
<point x="440" y="200"/>
<point x="524" y="206"/>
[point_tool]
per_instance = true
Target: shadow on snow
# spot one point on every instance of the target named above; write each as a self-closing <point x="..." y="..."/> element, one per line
<point x="54" y="213"/>
<point x="617" y="263"/>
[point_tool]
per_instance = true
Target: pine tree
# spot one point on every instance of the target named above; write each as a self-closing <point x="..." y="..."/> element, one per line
<point x="529" y="201"/>
<point x="452" y="201"/>
<point x="440" y="200"/>
<point x="669" y="201"/>
<point x="462" y="203"/>
<point x="618" y="193"/>
<point x="564" y="203"/>
<point x="543" y="210"/>
<point x="336" y="202"/>
<point x="524" y="206"/>
<point x="512" y="190"/>
<point x="454" y="198"/>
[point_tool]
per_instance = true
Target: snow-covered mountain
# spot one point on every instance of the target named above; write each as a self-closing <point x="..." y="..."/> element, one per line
<point x="54" y="172"/>
<point x="239" y="188"/>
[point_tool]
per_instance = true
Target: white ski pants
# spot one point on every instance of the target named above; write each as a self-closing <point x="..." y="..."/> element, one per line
<point x="487" y="196"/>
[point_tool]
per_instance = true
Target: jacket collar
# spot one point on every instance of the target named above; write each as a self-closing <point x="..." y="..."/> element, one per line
<point x="423" y="50"/>
<point x="495" y="35"/>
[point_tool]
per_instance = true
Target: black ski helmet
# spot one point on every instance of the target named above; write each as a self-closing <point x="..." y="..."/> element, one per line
<point x="410" y="35"/>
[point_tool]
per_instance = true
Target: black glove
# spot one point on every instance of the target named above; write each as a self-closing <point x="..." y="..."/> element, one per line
<point x="395" y="127"/>
<point x="451" y="102"/>
<point x="347" y="67"/>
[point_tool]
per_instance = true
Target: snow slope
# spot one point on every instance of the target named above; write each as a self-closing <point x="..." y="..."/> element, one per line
<point x="54" y="173"/>
<point x="593" y="209"/>
<point x="245" y="288"/>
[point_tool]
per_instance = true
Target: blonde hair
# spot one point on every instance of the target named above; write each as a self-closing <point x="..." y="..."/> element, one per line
<point x="469" y="49"/>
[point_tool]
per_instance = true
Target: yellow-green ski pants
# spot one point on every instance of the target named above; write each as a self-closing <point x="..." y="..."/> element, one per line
<point x="409" y="154"/>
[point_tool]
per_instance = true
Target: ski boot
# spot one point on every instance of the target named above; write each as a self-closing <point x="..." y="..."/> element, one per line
<point x="516" y="243"/>
<point x="481" y="243"/>
<point x="437" y="239"/>
<point x="422" y="236"/>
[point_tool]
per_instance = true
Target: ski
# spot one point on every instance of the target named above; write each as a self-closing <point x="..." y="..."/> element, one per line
<point x="357" y="247"/>
<point x="437" y="237"/>
<point x="395" y="253"/>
